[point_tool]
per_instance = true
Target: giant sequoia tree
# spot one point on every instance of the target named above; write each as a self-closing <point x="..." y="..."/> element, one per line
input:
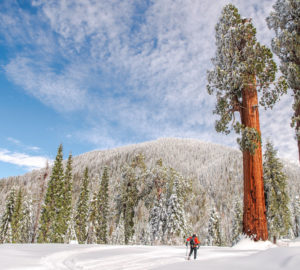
<point x="242" y="67"/>
<point x="285" y="20"/>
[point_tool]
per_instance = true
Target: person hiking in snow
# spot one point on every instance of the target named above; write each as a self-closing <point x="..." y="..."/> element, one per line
<point x="194" y="245"/>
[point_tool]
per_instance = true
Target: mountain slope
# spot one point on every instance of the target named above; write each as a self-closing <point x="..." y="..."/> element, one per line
<point x="215" y="170"/>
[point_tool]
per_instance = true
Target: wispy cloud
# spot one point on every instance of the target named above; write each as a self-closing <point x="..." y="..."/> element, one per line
<point x="137" y="69"/>
<point x="23" y="160"/>
<point x="20" y="144"/>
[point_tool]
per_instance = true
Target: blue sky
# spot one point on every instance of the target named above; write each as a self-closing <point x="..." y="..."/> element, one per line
<point x="101" y="74"/>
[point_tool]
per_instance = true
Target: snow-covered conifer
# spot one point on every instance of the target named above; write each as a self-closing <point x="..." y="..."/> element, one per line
<point x="102" y="208"/>
<point x="214" y="237"/>
<point x="82" y="210"/>
<point x="296" y="214"/>
<point x="129" y="200"/>
<point x="17" y="217"/>
<point x="5" y="229"/>
<point x="277" y="198"/>
<point x="284" y="20"/>
<point x="237" y="223"/>
<point x="50" y="229"/>
<point x="66" y="206"/>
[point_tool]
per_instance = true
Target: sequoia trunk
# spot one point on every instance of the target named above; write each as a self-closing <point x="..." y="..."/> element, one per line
<point x="254" y="220"/>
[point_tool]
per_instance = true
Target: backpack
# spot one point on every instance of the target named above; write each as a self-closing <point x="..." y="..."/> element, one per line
<point x="192" y="242"/>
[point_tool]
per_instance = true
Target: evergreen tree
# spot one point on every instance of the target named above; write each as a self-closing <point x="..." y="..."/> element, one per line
<point x="102" y="208"/>
<point x="175" y="215"/>
<point x="237" y="223"/>
<point x="92" y="220"/>
<point x="158" y="218"/>
<point x="65" y="218"/>
<point x="242" y="67"/>
<point x="27" y="221"/>
<point x="42" y="179"/>
<point x="214" y="232"/>
<point x="17" y="218"/>
<point x="5" y="229"/>
<point x="296" y="214"/>
<point x="284" y="20"/>
<point x="81" y="217"/>
<point x="277" y="199"/>
<point x="50" y="229"/>
<point x="71" y="234"/>
<point x="129" y="201"/>
<point x="175" y="223"/>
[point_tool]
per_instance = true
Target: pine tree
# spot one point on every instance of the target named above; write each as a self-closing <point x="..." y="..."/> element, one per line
<point x="284" y="20"/>
<point x="242" y="67"/>
<point x="237" y="223"/>
<point x="82" y="210"/>
<point x="296" y="214"/>
<point x="27" y="221"/>
<point x="65" y="218"/>
<point x="157" y="217"/>
<point x="71" y="234"/>
<point x="5" y="229"/>
<point x="175" y="223"/>
<point x="50" y="229"/>
<point x="102" y="208"/>
<point x="214" y="237"/>
<point x="175" y="215"/>
<point x="92" y="220"/>
<point x="277" y="198"/>
<point x="42" y="178"/>
<point x="129" y="201"/>
<point x="17" y="218"/>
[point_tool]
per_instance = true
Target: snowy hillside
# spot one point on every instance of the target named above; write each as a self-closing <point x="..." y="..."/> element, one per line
<point x="246" y="255"/>
<point x="215" y="172"/>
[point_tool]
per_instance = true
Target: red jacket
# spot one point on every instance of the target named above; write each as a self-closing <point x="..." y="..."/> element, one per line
<point x="196" y="241"/>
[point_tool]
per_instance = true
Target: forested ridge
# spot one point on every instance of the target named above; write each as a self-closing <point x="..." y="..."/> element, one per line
<point x="158" y="192"/>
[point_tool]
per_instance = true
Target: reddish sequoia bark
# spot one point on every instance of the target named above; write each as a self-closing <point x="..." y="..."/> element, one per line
<point x="254" y="220"/>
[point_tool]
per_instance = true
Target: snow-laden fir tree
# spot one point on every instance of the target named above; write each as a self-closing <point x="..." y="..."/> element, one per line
<point x="102" y="209"/>
<point x="237" y="223"/>
<point x="65" y="218"/>
<point x="158" y="180"/>
<point x="6" y="220"/>
<point x="27" y="220"/>
<point x="82" y="210"/>
<point x="214" y="237"/>
<point x="277" y="198"/>
<point x="285" y="21"/>
<point x="129" y="201"/>
<point x="39" y="203"/>
<point x="296" y="215"/>
<point x="17" y="217"/>
<point x="158" y="218"/>
<point x="92" y="220"/>
<point x="243" y="67"/>
<point x="51" y="215"/>
<point x="175" y="214"/>
<point x="71" y="234"/>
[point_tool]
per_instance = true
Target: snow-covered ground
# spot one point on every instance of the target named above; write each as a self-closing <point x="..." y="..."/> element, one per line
<point x="245" y="255"/>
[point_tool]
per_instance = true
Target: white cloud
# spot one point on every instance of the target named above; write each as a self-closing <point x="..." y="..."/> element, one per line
<point x="138" y="71"/>
<point x="15" y="141"/>
<point x="23" y="160"/>
<point x="20" y="144"/>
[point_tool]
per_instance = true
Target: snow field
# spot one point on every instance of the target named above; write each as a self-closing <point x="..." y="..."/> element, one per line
<point x="245" y="255"/>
